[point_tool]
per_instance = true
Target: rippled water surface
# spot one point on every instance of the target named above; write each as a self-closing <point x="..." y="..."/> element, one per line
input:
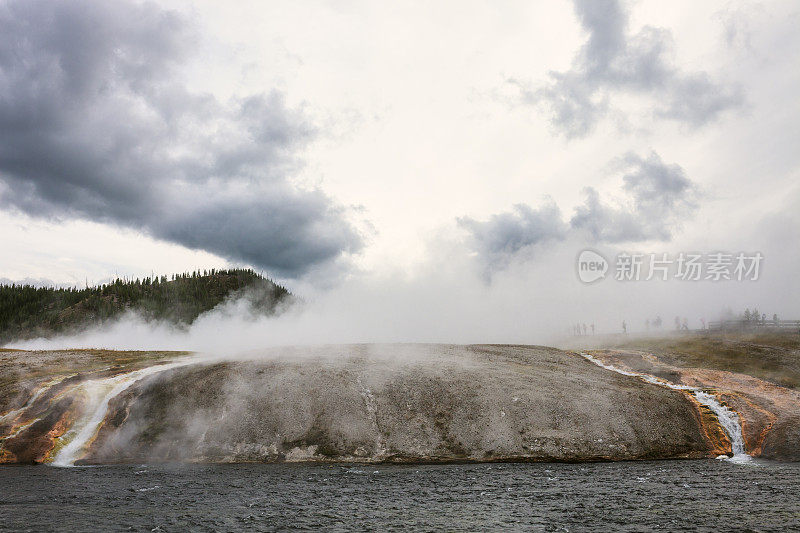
<point x="634" y="496"/>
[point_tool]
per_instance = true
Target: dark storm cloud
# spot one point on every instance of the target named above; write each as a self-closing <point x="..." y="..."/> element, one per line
<point x="657" y="197"/>
<point x="498" y="239"/>
<point x="96" y="123"/>
<point x="612" y="62"/>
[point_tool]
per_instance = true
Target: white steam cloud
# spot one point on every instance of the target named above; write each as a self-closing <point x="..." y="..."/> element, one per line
<point x="535" y="300"/>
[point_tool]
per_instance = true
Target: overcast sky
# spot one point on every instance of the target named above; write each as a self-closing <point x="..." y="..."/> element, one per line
<point x="329" y="143"/>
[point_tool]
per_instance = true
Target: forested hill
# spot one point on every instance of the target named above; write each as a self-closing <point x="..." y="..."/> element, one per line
<point x="28" y="312"/>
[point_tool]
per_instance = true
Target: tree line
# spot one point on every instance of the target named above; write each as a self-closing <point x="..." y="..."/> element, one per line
<point x="27" y="311"/>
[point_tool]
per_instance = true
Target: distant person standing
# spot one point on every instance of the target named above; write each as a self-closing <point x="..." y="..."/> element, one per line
<point x="624" y="327"/>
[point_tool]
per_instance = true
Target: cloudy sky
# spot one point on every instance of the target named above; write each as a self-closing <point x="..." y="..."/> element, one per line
<point x="359" y="146"/>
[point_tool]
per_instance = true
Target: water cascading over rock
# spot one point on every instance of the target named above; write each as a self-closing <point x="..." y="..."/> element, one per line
<point x="396" y="403"/>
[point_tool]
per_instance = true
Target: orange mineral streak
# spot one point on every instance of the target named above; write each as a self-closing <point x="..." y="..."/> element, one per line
<point x="34" y="443"/>
<point x="763" y="407"/>
<point x="642" y="362"/>
<point x="717" y="439"/>
<point x="61" y="427"/>
<point x="37" y="428"/>
<point x="756" y="420"/>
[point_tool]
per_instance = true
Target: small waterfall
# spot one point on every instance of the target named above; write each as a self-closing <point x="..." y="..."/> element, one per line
<point x="99" y="394"/>
<point x="727" y="418"/>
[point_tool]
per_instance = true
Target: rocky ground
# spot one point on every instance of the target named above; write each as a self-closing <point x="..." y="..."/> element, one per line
<point x="363" y="403"/>
<point x="42" y="394"/>
<point x="411" y="403"/>
<point x="770" y="355"/>
<point x="755" y="374"/>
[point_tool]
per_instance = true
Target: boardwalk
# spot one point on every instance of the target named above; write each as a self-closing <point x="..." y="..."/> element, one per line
<point x="752" y="324"/>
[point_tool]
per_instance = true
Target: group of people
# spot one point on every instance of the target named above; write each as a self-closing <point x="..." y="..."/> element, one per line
<point x="580" y="329"/>
<point x="681" y="324"/>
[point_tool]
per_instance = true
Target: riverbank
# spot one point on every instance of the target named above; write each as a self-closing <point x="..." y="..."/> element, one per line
<point x="375" y="404"/>
<point x="370" y="403"/>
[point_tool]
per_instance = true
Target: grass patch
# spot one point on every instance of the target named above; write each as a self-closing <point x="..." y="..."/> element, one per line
<point x="772" y="356"/>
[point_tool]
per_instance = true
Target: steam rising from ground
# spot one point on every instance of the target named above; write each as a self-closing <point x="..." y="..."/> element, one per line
<point x="536" y="300"/>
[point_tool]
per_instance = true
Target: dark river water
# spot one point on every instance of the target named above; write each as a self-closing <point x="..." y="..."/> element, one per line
<point x="705" y="495"/>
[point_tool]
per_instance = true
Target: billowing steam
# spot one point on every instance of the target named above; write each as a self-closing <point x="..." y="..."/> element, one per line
<point x="537" y="299"/>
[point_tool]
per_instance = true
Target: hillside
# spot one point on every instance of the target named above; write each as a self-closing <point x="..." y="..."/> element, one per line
<point x="378" y="403"/>
<point x="354" y="403"/>
<point x="28" y="312"/>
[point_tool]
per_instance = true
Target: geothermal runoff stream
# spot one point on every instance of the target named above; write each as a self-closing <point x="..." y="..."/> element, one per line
<point x="727" y="418"/>
<point x="100" y="392"/>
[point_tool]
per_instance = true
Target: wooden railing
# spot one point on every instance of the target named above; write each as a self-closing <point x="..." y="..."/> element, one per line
<point x="748" y="324"/>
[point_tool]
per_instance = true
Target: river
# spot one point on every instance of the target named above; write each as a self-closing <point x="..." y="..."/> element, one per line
<point x="700" y="495"/>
